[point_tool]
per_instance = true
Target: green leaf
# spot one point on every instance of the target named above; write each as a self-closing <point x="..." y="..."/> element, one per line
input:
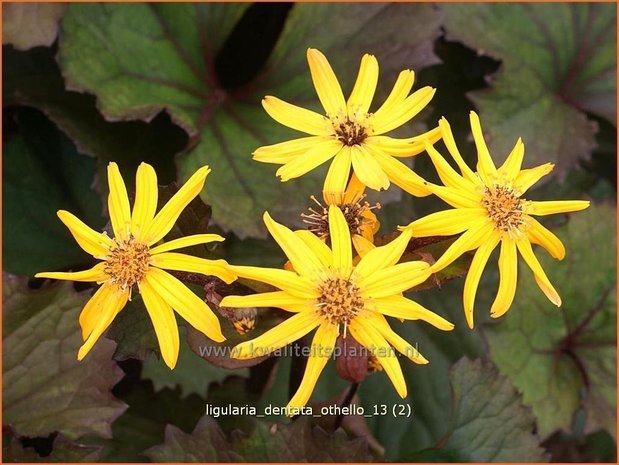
<point x="488" y="422"/>
<point x="596" y="447"/>
<point x="141" y="58"/>
<point x="64" y="451"/>
<point x="33" y="78"/>
<point x="142" y="425"/>
<point x="563" y="358"/>
<point x="192" y="373"/>
<point x="253" y="252"/>
<point x="27" y="25"/>
<point x="42" y="173"/>
<point x="429" y="395"/>
<point x="133" y="332"/>
<point x="45" y="388"/>
<point x="298" y="441"/>
<point x="559" y="61"/>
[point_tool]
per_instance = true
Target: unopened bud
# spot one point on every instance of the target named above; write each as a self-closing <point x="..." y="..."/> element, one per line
<point x="245" y="320"/>
<point x="352" y="359"/>
<point x="374" y="365"/>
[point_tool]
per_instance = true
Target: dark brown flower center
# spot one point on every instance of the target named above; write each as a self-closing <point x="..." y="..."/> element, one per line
<point x="350" y="132"/>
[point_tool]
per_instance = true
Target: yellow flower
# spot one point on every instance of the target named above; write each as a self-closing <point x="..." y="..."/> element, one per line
<point x="132" y="258"/>
<point x="349" y="133"/>
<point x="488" y="210"/>
<point x="327" y="292"/>
<point x="361" y="220"/>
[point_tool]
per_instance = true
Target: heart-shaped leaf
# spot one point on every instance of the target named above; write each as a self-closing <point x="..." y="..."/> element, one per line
<point x="561" y="359"/>
<point x="45" y="388"/>
<point x="558" y="62"/>
<point x="141" y="58"/>
<point x="488" y="422"/>
<point x="295" y="442"/>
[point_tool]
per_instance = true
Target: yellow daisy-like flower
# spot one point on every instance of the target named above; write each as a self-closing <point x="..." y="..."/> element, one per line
<point x="489" y="209"/>
<point x="326" y="291"/>
<point x="349" y="133"/>
<point x="132" y="258"/>
<point x="361" y="220"/>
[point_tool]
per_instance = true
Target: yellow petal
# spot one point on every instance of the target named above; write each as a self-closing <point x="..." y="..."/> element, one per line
<point x="340" y="240"/>
<point x="471" y="239"/>
<point x="448" y="175"/>
<point x="94" y="274"/>
<point x="118" y="202"/>
<point x="474" y="275"/>
<point x="382" y="257"/>
<point x="279" y="299"/>
<point x="485" y="165"/>
<point x="296" y="117"/>
<point x="316" y="156"/>
<point x="527" y="178"/>
<point x="186" y="241"/>
<point x="302" y="257"/>
<point x="401" y="113"/>
<point x="181" y="262"/>
<point x="394" y="279"/>
<point x="320" y="353"/>
<point x="418" y="142"/>
<point x="524" y="246"/>
<point x="286" y="151"/>
<point x="145" y="204"/>
<point x="401" y="175"/>
<point x="105" y="311"/>
<point x="538" y="234"/>
<point x="284" y="333"/>
<point x="401" y="89"/>
<point x="326" y="84"/>
<point x="400" y="307"/>
<point x="188" y="305"/>
<point x="93" y="310"/>
<point x="403" y="147"/>
<point x="550" y="207"/>
<point x="458" y="198"/>
<point x="448" y="222"/>
<point x="367" y="169"/>
<point x="167" y="216"/>
<point x="508" y="268"/>
<point x="288" y="281"/>
<point x="354" y="190"/>
<point x="93" y="242"/>
<point x="363" y="92"/>
<point x="337" y="176"/>
<point x="393" y="338"/>
<point x="384" y="353"/>
<point x="450" y="143"/>
<point x="164" y="322"/>
<point x="370" y="224"/>
<point x="513" y="162"/>
<point x="318" y="247"/>
<point x="361" y="245"/>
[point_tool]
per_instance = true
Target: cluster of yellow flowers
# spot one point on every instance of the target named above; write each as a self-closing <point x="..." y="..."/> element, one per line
<point x="336" y="280"/>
